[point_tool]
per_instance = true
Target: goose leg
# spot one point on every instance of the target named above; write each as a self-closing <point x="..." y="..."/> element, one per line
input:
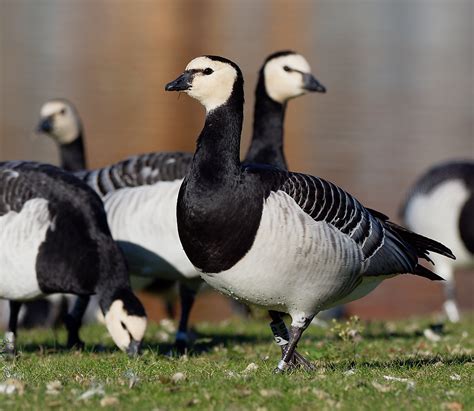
<point x="282" y="338"/>
<point x="73" y="321"/>
<point x="187" y="293"/>
<point x="10" y="335"/>
<point x="450" y="305"/>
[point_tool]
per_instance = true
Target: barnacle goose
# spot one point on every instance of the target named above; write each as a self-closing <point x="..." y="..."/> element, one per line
<point x="140" y="193"/>
<point x="284" y="75"/>
<point x="284" y="241"/>
<point x="441" y="205"/>
<point x="60" y="120"/>
<point x="54" y="238"/>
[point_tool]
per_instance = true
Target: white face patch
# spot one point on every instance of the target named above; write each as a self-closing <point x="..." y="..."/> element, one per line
<point x="121" y="325"/>
<point x="65" y="124"/>
<point x="282" y="85"/>
<point x="212" y="90"/>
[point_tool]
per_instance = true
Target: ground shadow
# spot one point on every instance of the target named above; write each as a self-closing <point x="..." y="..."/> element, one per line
<point x="209" y="342"/>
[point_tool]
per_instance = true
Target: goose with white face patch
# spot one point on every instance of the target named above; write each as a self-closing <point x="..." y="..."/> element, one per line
<point x="283" y="76"/>
<point x="60" y="120"/>
<point x="284" y="241"/>
<point x="54" y="238"/>
<point x="140" y="193"/>
<point x="441" y="205"/>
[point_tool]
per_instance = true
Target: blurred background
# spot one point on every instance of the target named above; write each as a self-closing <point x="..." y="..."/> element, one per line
<point x="400" y="95"/>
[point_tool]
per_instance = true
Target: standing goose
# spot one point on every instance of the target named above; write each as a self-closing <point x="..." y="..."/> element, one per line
<point x="140" y="193"/>
<point x="54" y="238"/>
<point x="283" y="76"/>
<point x="284" y="241"/>
<point x="60" y="121"/>
<point x="441" y="205"/>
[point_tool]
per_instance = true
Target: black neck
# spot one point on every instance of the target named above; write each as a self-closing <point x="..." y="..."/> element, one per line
<point x="267" y="140"/>
<point x="72" y="155"/>
<point x="217" y="156"/>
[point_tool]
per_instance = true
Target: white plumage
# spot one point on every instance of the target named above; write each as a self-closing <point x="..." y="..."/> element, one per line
<point x="278" y="272"/>
<point x="21" y="234"/>
<point x="143" y="221"/>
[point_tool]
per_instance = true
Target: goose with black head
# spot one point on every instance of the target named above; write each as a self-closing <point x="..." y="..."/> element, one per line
<point x="140" y="193"/>
<point x="288" y="242"/>
<point x="54" y="238"/>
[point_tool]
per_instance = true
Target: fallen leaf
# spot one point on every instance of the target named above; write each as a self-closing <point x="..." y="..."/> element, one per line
<point x="252" y="367"/>
<point x="178" y="377"/>
<point x="452" y="406"/>
<point x="92" y="392"/>
<point x="53" y="387"/>
<point x="109" y="401"/>
<point x="410" y="384"/>
<point x="244" y="392"/>
<point x="270" y="393"/>
<point x="162" y="336"/>
<point x="381" y="387"/>
<point x="168" y="325"/>
<point x="431" y="335"/>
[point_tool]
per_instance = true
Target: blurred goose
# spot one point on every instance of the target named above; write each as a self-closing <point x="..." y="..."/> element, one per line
<point x="140" y="193"/>
<point x="441" y="205"/>
<point x="54" y="238"/>
<point x="60" y="121"/>
<point x="284" y="241"/>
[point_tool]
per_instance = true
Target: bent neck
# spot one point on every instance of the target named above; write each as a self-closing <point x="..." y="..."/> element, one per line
<point x="72" y="155"/>
<point x="267" y="139"/>
<point x="217" y="155"/>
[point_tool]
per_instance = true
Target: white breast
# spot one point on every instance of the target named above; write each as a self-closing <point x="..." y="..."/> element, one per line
<point x="436" y="215"/>
<point x="295" y="264"/>
<point x="143" y="220"/>
<point x="21" y="234"/>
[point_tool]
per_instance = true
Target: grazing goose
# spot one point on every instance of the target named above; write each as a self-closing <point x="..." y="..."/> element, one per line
<point x="60" y="121"/>
<point x="54" y="238"/>
<point x="284" y="241"/>
<point x="140" y="193"/>
<point x="441" y="205"/>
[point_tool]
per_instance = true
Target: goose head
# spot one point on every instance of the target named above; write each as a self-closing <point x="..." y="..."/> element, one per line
<point x="286" y="75"/>
<point x="60" y="121"/>
<point x="209" y="79"/>
<point x="126" y="321"/>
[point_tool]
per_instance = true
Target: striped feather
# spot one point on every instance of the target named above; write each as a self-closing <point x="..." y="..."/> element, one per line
<point x="386" y="247"/>
<point x="141" y="170"/>
<point x="326" y="202"/>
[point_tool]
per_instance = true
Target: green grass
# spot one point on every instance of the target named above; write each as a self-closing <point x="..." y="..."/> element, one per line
<point x="350" y="371"/>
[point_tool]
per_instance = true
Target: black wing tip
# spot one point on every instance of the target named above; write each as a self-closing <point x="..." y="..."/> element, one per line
<point x="421" y="243"/>
<point x="426" y="273"/>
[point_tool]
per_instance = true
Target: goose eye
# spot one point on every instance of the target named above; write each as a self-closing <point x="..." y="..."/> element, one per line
<point x="63" y="111"/>
<point x="208" y="71"/>
<point x="286" y="68"/>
